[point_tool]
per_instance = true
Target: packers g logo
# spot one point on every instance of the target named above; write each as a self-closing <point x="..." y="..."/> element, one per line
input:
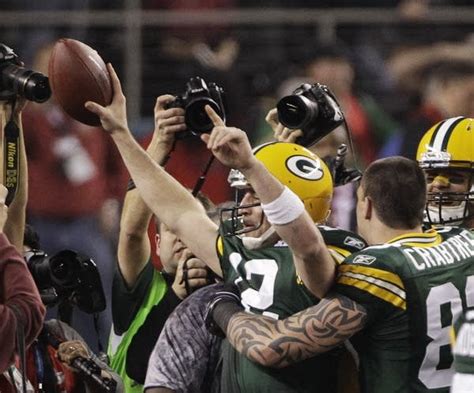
<point x="305" y="167"/>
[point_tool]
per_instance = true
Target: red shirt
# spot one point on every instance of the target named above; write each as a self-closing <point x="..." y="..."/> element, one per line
<point x="18" y="291"/>
<point x="72" y="168"/>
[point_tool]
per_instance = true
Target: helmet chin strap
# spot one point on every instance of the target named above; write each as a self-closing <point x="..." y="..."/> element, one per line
<point x="268" y="238"/>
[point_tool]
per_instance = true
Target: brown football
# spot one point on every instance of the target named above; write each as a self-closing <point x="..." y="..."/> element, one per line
<point x="78" y="74"/>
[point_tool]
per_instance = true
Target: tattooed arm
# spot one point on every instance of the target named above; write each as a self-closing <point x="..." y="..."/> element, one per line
<point x="279" y="343"/>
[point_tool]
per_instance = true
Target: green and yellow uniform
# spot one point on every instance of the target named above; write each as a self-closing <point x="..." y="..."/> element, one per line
<point x="270" y="286"/>
<point x="413" y="289"/>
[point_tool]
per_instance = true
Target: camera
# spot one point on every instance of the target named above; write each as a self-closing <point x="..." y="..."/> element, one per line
<point x="67" y="276"/>
<point x="17" y="80"/>
<point x="197" y="95"/>
<point x="312" y="109"/>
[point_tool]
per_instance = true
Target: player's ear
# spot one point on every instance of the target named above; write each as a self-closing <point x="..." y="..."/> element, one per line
<point x="368" y="207"/>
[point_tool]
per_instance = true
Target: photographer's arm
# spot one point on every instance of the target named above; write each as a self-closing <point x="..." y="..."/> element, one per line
<point x="312" y="259"/>
<point x="15" y="225"/>
<point x="74" y="346"/>
<point x="169" y="200"/>
<point x="134" y="245"/>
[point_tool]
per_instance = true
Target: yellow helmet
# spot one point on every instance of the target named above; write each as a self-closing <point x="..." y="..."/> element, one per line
<point x="303" y="172"/>
<point x="294" y="166"/>
<point x="448" y="145"/>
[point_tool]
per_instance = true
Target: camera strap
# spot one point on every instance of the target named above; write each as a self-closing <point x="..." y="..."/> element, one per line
<point x="11" y="143"/>
<point x="202" y="178"/>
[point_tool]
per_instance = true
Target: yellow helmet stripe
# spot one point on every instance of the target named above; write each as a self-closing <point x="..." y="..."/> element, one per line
<point x="440" y="137"/>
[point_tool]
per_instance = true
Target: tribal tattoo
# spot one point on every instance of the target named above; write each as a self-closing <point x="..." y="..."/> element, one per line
<point x="278" y="343"/>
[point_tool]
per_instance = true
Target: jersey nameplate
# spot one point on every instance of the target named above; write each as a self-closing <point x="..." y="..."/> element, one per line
<point x="454" y="249"/>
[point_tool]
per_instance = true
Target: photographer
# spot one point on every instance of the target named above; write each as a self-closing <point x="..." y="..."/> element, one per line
<point x="20" y="304"/>
<point x="60" y="350"/>
<point x="143" y="298"/>
<point x="36" y="367"/>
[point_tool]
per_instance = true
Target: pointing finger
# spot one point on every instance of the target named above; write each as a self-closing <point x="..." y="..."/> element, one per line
<point x="117" y="87"/>
<point x="216" y="120"/>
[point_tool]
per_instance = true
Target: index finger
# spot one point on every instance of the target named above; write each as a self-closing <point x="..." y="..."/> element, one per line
<point x="161" y="101"/>
<point x="116" y="85"/>
<point x="216" y="120"/>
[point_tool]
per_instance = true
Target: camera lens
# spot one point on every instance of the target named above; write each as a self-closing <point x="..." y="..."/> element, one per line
<point x="196" y="117"/>
<point x="63" y="270"/>
<point x="32" y="85"/>
<point x="296" y="111"/>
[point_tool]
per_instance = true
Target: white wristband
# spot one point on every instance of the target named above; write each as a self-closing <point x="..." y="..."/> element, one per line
<point x="285" y="209"/>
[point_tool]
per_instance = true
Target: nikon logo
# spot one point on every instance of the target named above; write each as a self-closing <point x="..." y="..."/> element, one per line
<point x="305" y="167"/>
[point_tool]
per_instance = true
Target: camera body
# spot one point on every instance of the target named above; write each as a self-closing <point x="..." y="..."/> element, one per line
<point x="312" y="109"/>
<point x="17" y="80"/>
<point x="198" y="94"/>
<point x="67" y="276"/>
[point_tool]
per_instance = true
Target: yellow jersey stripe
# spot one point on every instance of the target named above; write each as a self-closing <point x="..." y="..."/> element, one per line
<point x="373" y="272"/>
<point x="426" y="239"/>
<point x="381" y="293"/>
<point x="338" y="254"/>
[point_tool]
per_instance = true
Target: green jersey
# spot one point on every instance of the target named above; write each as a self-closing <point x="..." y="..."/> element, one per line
<point x="413" y="288"/>
<point x="270" y="286"/>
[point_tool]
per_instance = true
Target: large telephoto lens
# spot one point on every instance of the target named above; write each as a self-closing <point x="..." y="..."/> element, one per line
<point x="296" y="111"/>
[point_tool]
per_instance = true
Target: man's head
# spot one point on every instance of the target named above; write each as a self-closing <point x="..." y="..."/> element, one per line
<point x="393" y="191"/>
<point x="295" y="167"/>
<point x="168" y="247"/>
<point x="446" y="155"/>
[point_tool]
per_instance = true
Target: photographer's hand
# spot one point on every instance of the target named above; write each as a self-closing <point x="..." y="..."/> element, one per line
<point x="113" y="117"/>
<point x="70" y="350"/>
<point x="168" y="122"/>
<point x="191" y="274"/>
<point x="280" y="132"/>
<point x="229" y="145"/>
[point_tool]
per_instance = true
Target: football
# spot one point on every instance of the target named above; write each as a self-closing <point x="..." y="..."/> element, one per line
<point x="78" y="74"/>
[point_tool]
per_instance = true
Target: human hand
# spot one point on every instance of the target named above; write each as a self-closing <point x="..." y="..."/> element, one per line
<point x="114" y="116"/>
<point x="168" y="122"/>
<point x="228" y="144"/>
<point x="3" y="207"/>
<point x="191" y="274"/>
<point x="70" y="350"/>
<point x="7" y="107"/>
<point x="340" y="173"/>
<point x="280" y="132"/>
<point x="229" y="293"/>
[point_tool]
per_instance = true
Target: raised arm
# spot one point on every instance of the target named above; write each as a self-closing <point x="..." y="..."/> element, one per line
<point x="134" y="245"/>
<point x="282" y="208"/>
<point x="15" y="225"/>
<point x="168" y="199"/>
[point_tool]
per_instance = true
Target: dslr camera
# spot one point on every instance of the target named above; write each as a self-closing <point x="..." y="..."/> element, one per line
<point x="313" y="109"/>
<point x="198" y="94"/>
<point x="17" y="80"/>
<point x="67" y="276"/>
